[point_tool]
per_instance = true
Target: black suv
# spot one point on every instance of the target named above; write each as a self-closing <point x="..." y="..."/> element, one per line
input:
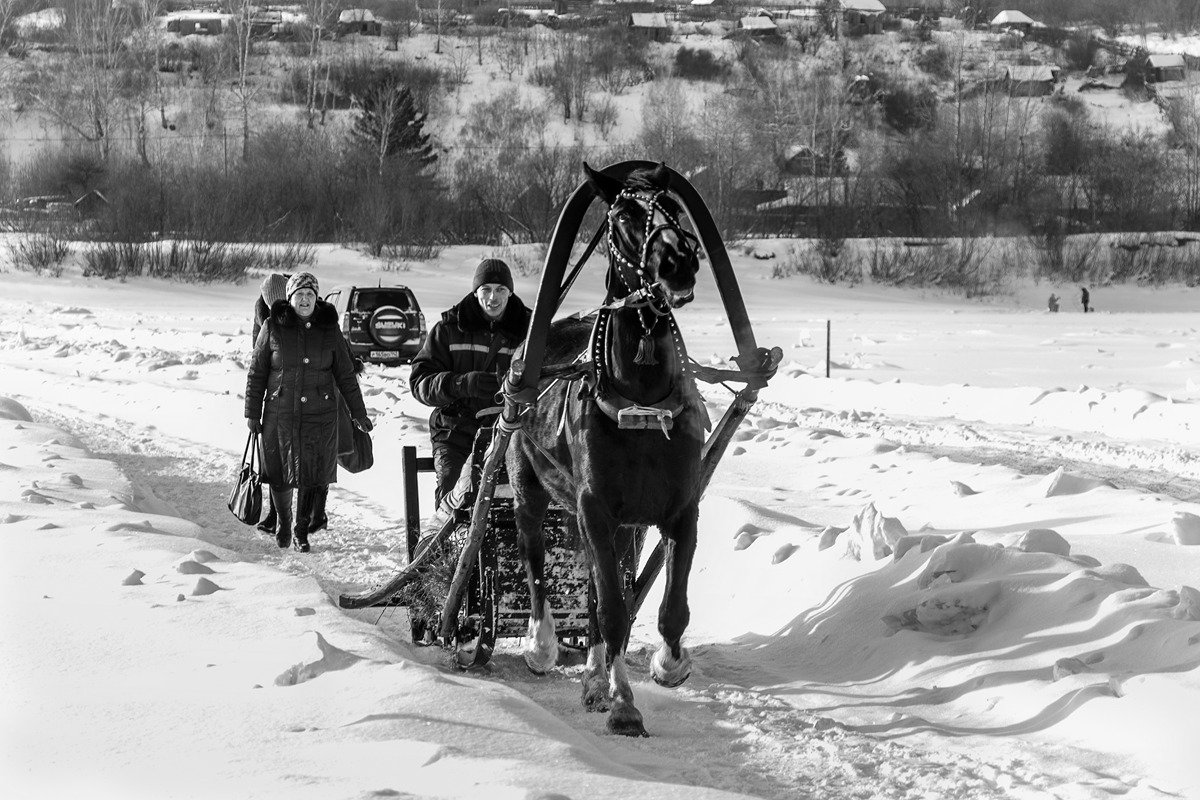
<point x="383" y="324"/>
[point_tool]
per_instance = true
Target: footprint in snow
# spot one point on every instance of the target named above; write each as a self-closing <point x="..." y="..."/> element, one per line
<point x="784" y="553"/>
<point x="746" y="535"/>
<point x="189" y="567"/>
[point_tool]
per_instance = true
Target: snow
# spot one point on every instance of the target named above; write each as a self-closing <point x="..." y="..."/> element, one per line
<point x="962" y="566"/>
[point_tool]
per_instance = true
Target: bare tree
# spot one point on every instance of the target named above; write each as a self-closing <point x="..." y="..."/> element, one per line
<point x="82" y="95"/>
<point x="571" y="76"/>
<point x="509" y="53"/>
<point x="244" y="91"/>
<point x="322" y="17"/>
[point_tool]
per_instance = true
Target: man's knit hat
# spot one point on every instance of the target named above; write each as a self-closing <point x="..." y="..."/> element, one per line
<point x="492" y="270"/>
<point x="301" y="280"/>
<point x="274" y="287"/>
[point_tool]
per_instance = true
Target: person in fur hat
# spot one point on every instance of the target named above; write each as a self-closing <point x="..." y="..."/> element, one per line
<point x="300" y="363"/>
<point x="462" y="362"/>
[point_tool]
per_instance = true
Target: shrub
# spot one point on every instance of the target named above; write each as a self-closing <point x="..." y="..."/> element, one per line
<point x="40" y="252"/>
<point x="1065" y="258"/>
<point x="936" y="61"/>
<point x="114" y="260"/>
<point x="605" y="114"/>
<point x="699" y="65"/>
<point x="1080" y="50"/>
<point x="1149" y="262"/>
<point x="354" y="76"/>
<point x="827" y="261"/>
<point x="907" y="107"/>
<point x="959" y="264"/>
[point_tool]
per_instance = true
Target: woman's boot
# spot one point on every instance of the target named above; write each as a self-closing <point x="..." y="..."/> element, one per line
<point x="282" y="499"/>
<point x="319" y="520"/>
<point x="304" y="510"/>
<point x="267" y="526"/>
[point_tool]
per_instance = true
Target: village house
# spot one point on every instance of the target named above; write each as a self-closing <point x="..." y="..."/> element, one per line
<point x="652" y="26"/>
<point x="191" y="23"/>
<point x="1013" y="20"/>
<point x="1028" y="81"/>
<point x="758" y="26"/>
<point x="862" y="17"/>
<point x="1166" y="67"/>
<point x="360" y="21"/>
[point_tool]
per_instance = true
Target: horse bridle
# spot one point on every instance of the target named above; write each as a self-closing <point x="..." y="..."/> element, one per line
<point x="634" y="275"/>
<point x="653" y="297"/>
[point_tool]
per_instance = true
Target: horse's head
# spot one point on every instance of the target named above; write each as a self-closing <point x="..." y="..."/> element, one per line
<point x="648" y="247"/>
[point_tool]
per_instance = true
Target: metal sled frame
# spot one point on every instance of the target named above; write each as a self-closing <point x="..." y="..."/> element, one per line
<point x="756" y="366"/>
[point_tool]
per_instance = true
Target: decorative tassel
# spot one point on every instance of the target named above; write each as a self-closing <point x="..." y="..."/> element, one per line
<point x="645" y="353"/>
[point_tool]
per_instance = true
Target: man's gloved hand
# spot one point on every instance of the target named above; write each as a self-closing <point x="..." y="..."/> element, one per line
<point x="364" y="424"/>
<point x="254" y="425"/>
<point x="483" y="385"/>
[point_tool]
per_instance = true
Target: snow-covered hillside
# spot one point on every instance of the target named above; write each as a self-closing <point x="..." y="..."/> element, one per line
<point x="962" y="566"/>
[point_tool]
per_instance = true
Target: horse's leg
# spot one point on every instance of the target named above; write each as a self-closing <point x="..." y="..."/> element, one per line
<point x="595" y="680"/>
<point x="672" y="663"/>
<point x="612" y="615"/>
<point x="529" y="509"/>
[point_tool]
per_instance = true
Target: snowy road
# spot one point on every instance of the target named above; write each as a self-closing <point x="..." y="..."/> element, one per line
<point x="756" y="741"/>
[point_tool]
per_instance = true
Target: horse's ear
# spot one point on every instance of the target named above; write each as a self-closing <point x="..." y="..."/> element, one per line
<point x="606" y="188"/>
<point x="661" y="176"/>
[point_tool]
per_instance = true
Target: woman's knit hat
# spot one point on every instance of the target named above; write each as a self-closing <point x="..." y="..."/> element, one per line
<point x="274" y="287"/>
<point x="301" y="280"/>
<point x="492" y="270"/>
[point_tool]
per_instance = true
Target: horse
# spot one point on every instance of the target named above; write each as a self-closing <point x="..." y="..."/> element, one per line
<point x="621" y="446"/>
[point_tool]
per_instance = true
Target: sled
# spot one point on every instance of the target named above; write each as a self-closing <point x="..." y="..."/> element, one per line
<point x="483" y="600"/>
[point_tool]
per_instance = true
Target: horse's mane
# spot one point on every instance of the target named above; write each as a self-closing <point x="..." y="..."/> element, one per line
<point x="643" y="180"/>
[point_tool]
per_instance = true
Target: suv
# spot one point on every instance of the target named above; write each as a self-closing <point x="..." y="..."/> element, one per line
<point x="383" y="324"/>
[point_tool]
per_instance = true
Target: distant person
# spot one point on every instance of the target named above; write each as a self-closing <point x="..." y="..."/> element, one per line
<point x="1085" y="299"/>
<point x="459" y="368"/>
<point x="301" y="362"/>
<point x="1052" y="303"/>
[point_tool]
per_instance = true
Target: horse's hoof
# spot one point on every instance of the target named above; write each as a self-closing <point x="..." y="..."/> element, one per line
<point x="625" y="720"/>
<point x="540" y="662"/>
<point x="595" y="695"/>
<point x="668" y="671"/>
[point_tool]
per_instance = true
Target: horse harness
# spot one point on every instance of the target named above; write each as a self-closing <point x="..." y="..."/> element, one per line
<point x="648" y="300"/>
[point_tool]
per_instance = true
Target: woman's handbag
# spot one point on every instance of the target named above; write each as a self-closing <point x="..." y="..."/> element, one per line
<point x="363" y="456"/>
<point x="245" y="500"/>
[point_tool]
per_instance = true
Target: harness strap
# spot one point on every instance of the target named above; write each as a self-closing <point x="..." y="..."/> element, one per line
<point x="554" y="462"/>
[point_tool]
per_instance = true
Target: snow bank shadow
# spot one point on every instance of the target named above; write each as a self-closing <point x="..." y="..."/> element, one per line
<point x="957" y="622"/>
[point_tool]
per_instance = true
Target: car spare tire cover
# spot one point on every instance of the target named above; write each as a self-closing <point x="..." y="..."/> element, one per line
<point x="388" y="326"/>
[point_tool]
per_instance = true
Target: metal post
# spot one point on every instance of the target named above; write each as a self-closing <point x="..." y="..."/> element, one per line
<point x="828" y="328"/>
<point x="412" y="509"/>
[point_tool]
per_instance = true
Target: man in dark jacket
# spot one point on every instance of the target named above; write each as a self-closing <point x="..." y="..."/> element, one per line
<point x="459" y="369"/>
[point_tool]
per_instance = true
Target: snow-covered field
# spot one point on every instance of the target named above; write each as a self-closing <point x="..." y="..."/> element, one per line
<point x="960" y="567"/>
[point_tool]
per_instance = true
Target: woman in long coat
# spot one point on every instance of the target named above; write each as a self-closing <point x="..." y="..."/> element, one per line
<point x="301" y="362"/>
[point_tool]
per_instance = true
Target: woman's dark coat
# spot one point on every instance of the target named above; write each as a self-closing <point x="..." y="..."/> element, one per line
<point x="296" y="372"/>
<point x="459" y="343"/>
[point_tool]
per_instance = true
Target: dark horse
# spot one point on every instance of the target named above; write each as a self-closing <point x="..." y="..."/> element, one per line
<point x="611" y="476"/>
